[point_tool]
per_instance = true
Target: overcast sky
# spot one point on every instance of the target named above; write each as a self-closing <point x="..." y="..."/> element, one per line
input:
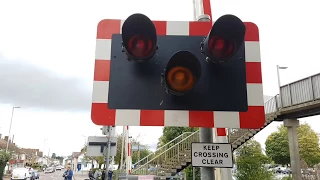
<point x="47" y="53"/>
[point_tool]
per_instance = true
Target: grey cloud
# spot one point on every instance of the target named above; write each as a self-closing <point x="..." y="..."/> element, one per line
<point x="29" y="86"/>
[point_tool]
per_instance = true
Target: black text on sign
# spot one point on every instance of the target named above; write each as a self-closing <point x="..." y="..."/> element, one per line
<point x="211" y="155"/>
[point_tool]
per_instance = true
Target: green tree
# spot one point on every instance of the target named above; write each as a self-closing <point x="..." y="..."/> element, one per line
<point x="252" y="148"/>
<point x="309" y="145"/>
<point x="135" y="155"/>
<point x="4" y="158"/>
<point x="91" y="158"/>
<point x="100" y="160"/>
<point x="138" y="155"/>
<point x="189" y="173"/>
<point x="60" y="159"/>
<point x="53" y="156"/>
<point x="250" y="162"/>
<point x="119" y="146"/>
<point x="170" y="133"/>
<point x="277" y="145"/>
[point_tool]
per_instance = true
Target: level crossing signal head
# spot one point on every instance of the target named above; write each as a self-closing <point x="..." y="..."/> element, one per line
<point x="224" y="39"/>
<point x="176" y="76"/>
<point x="139" y="37"/>
<point x="181" y="73"/>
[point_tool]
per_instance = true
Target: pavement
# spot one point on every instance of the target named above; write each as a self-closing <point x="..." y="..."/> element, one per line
<point x="58" y="176"/>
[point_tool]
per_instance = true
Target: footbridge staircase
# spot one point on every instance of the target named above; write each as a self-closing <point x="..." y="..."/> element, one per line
<point x="298" y="99"/>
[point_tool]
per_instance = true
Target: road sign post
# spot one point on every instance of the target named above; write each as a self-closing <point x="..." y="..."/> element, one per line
<point x="108" y="154"/>
<point x="98" y="144"/>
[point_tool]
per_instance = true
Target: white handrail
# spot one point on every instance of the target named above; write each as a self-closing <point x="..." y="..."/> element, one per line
<point x="153" y="153"/>
<point x="166" y="150"/>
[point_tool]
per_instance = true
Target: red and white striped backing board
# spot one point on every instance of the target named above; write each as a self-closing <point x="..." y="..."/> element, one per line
<point x="101" y="115"/>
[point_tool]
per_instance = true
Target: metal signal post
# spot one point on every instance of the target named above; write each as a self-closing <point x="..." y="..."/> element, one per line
<point x="206" y="134"/>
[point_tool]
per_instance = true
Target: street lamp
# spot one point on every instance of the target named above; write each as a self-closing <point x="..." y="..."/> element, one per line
<point x="44" y="143"/>
<point x="13" y="107"/>
<point x="279" y="86"/>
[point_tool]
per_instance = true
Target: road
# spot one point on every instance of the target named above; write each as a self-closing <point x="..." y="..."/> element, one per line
<point x="58" y="176"/>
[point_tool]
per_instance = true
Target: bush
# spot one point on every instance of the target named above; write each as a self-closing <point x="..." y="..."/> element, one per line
<point x="36" y="166"/>
<point x="189" y="172"/>
<point x="4" y="158"/>
<point x="94" y="170"/>
<point x="287" y="178"/>
<point x="250" y="168"/>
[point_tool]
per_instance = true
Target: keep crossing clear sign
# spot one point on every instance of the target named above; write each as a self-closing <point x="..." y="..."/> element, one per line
<point x="211" y="155"/>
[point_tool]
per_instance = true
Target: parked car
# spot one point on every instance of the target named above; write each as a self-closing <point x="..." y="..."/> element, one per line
<point x="20" y="173"/>
<point x="50" y="170"/>
<point x="59" y="168"/>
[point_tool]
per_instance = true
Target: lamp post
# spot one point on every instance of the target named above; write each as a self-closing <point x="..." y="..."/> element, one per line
<point x="279" y="85"/>
<point x="13" y="107"/>
<point x="44" y="143"/>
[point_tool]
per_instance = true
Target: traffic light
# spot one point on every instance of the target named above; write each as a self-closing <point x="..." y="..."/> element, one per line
<point x="139" y="37"/>
<point x="224" y="39"/>
<point x="179" y="72"/>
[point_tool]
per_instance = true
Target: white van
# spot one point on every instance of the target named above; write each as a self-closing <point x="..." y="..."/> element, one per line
<point x="20" y="173"/>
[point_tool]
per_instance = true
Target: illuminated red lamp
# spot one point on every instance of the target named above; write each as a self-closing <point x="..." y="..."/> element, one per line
<point x="139" y="37"/>
<point x="224" y="39"/>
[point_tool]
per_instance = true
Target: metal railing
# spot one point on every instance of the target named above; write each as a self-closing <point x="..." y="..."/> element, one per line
<point x="301" y="91"/>
<point x="298" y="92"/>
<point x="272" y="105"/>
<point x="162" y="148"/>
<point x="169" y="159"/>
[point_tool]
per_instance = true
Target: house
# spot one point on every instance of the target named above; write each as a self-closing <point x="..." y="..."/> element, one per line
<point x="18" y="158"/>
<point x="42" y="160"/>
<point x="79" y="162"/>
<point x="66" y="161"/>
<point x="11" y="146"/>
<point x="74" y="164"/>
<point x="86" y="165"/>
<point x="32" y="155"/>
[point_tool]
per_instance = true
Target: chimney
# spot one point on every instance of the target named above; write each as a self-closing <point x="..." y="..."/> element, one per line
<point x="6" y="138"/>
<point x="0" y="136"/>
<point x="12" y="138"/>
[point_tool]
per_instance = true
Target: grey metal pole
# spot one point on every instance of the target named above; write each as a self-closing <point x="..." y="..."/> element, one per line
<point x="207" y="173"/>
<point x="206" y="134"/>
<point x="278" y="76"/>
<point x="10" y="128"/>
<point x="122" y="147"/>
<point x="108" y="154"/>
<point x="44" y="144"/>
<point x="198" y="9"/>
<point x="193" y="168"/>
